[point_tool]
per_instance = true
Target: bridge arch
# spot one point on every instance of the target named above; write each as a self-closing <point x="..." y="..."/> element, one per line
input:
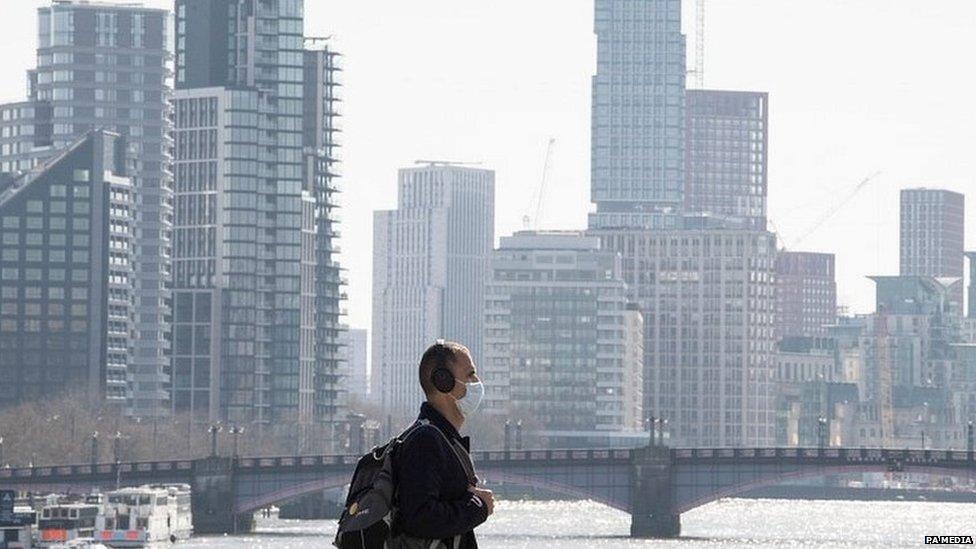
<point x="555" y="487"/>
<point x="763" y="481"/>
<point x="289" y="492"/>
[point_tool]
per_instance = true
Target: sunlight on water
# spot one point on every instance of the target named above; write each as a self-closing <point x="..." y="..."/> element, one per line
<point x="727" y="523"/>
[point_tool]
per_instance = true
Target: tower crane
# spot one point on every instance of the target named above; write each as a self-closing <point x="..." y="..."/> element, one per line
<point x="699" y="70"/>
<point x="533" y="222"/>
<point x="828" y="213"/>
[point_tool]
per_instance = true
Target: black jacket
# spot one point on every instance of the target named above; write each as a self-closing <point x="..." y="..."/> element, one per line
<point x="432" y="485"/>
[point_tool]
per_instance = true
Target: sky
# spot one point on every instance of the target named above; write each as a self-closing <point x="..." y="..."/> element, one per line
<point x="856" y="87"/>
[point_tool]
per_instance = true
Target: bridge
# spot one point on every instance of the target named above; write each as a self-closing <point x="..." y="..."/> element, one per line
<point x="655" y="485"/>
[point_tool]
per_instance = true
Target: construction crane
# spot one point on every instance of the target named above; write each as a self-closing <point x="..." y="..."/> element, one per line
<point x="446" y="163"/>
<point x="533" y="222"/>
<point x="699" y="70"/>
<point x="831" y="211"/>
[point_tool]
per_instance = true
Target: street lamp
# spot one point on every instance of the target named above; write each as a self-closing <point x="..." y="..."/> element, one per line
<point x="822" y="432"/>
<point x="236" y="432"/>
<point x="969" y="439"/>
<point x="94" y="447"/>
<point x="116" y="446"/>
<point x="508" y="435"/>
<point x="652" y="422"/>
<point x="1" y="446"/>
<point x="518" y="435"/>
<point x="213" y="430"/>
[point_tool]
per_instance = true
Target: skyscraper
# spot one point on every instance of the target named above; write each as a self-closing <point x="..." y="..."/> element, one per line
<point x="561" y="344"/>
<point x="726" y="155"/>
<point x="708" y="300"/>
<point x="430" y="262"/>
<point x="66" y="286"/>
<point x="806" y="294"/>
<point x="255" y="239"/>
<point x="932" y="235"/>
<point x="103" y="65"/>
<point x="638" y="118"/>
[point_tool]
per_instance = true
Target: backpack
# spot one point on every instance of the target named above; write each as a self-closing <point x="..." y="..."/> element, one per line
<point x="367" y="520"/>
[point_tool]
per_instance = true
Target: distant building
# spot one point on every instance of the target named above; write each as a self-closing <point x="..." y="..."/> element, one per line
<point x="561" y="345"/>
<point x="726" y="155"/>
<point x="708" y="300"/>
<point x="66" y="248"/>
<point x="933" y="235"/>
<point x="355" y="365"/>
<point x="806" y="294"/>
<point x="638" y="117"/>
<point x="971" y="294"/>
<point x="106" y="65"/>
<point x="430" y="261"/>
<point x="257" y="285"/>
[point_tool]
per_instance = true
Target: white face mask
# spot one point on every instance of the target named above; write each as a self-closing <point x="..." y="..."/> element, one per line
<point x="468" y="404"/>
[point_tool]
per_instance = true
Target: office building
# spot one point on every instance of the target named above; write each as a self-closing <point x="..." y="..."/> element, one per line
<point x="806" y="294"/>
<point x="257" y="286"/>
<point x="66" y="250"/>
<point x="726" y="166"/>
<point x="561" y="344"/>
<point x="430" y="261"/>
<point x="933" y="235"/>
<point x="638" y="118"/>
<point x="353" y="351"/>
<point x="708" y="301"/>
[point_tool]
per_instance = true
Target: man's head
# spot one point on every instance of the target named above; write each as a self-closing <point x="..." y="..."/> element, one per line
<point x="445" y="370"/>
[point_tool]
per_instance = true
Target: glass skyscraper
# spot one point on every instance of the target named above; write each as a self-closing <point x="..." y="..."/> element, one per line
<point x="638" y="117"/>
<point x="257" y="287"/>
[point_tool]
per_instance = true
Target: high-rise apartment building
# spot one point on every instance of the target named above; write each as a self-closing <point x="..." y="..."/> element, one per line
<point x="806" y="294"/>
<point x="933" y="235"/>
<point x="430" y="262"/>
<point x="638" y="118"/>
<point x="708" y="301"/>
<point x="256" y="281"/>
<point x="561" y="344"/>
<point x="726" y="155"/>
<point x="66" y="276"/>
<point x="105" y="65"/>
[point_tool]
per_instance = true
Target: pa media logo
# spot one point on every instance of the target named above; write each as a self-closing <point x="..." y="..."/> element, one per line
<point x="948" y="540"/>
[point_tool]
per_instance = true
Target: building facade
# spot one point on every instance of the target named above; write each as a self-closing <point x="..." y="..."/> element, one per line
<point x="103" y="65"/>
<point x="66" y="258"/>
<point x="638" y="118"/>
<point x="708" y="301"/>
<point x="806" y="294"/>
<point x="354" y="351"/>
<point x="726" y="166"/>
<point x="256" y="236"/>
<point x="561" y="344"/>
<point x="430" y="262"/>
<point x="933" y="235"/>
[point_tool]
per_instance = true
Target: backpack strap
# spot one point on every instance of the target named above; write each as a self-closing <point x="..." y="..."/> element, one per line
<point x="464" y="459"/>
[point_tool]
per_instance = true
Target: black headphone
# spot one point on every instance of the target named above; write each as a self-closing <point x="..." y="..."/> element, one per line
<point x="442" y="378"/>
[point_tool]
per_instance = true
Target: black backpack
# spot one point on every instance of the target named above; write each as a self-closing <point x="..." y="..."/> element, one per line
<point x="367" y="520"/>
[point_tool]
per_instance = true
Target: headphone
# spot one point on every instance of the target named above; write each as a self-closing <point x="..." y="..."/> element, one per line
<point x="442" y="378"/>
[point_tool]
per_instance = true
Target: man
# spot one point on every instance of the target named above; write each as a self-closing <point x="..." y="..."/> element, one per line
<point x="437" y="493"/>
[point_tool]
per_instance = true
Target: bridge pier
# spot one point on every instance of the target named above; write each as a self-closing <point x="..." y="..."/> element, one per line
<point x="652" y="515"/>
<point x="213" y="498"/>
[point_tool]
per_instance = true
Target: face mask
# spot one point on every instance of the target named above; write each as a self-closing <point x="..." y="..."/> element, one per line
<point x="472" y="398"/>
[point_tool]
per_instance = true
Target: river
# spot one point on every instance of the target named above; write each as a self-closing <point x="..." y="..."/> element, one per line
<point x="726" y="523"/>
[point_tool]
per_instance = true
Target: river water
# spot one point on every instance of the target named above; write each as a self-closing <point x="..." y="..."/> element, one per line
<point x="726" y="523"/>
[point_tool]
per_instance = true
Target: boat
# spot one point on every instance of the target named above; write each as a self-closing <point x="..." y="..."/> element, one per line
<point x="17" y="529"/>
<point x="145" y="516"/>
<point x="63" y="520"/>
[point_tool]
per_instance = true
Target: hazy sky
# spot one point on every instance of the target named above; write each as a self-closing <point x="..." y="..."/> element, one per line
<point x="856" y="86"/>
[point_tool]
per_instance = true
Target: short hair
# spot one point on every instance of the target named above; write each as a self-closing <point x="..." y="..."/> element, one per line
<point x="441" y="352"/>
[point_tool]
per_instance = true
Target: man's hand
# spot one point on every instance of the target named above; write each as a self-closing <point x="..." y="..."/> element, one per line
<point x="486" y="497"/>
